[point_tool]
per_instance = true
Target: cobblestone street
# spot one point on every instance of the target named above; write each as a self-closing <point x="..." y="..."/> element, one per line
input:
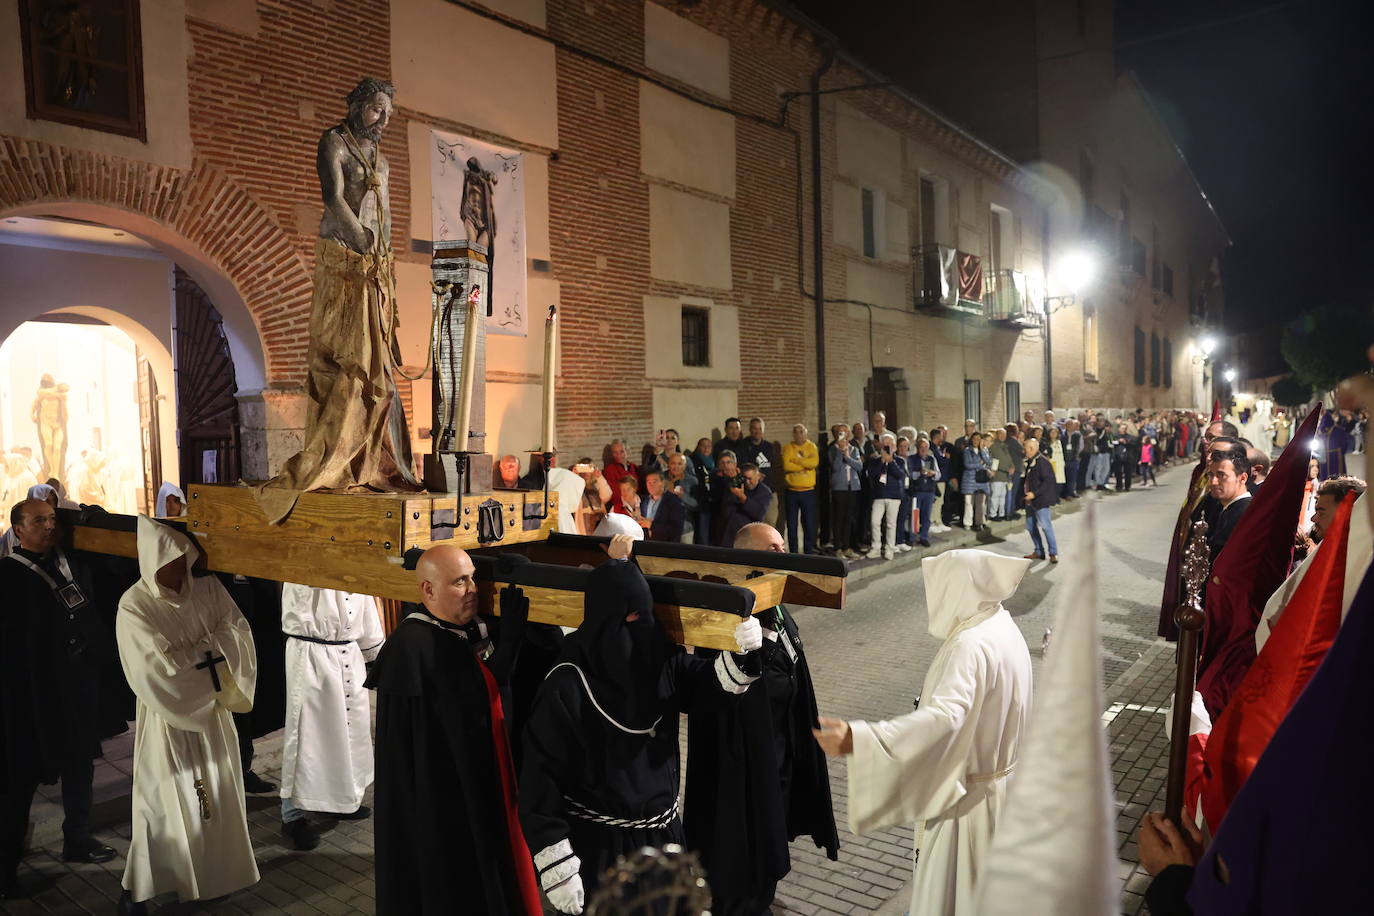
<point x="868" y="662"/>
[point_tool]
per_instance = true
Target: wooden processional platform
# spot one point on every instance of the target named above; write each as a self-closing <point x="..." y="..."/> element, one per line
<point x="359" y="542"/>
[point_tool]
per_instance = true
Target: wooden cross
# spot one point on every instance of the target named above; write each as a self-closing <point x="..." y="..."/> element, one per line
<point x="211" y="660"/>
<point x="357" y="542"/>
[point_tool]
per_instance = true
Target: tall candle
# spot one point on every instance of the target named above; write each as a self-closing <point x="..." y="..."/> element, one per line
<point x="550" y="355"/>
<point x="470" y="330"/>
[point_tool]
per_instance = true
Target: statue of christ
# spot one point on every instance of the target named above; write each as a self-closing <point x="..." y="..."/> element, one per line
<point x="355" y="434"/>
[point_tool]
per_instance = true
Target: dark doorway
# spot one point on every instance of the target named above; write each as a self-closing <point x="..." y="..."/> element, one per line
<point x="880" y="393"/>
<point x="207" y="411"/>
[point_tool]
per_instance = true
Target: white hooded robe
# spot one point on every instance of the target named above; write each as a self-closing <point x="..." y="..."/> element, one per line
<point x="327" y="753"/>
<point x="185" y="732"/>
<point x="945" y="766"/>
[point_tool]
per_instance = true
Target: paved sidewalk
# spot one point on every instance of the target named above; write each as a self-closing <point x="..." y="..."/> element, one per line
<point x="868" y="662"/>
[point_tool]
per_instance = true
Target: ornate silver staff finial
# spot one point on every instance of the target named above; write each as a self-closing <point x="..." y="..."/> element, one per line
<point x="1197" y="565"/>
<point x="650" y="881"/>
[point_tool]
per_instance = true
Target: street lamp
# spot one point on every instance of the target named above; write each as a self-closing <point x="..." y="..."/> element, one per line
<point x="1075" y="270"/>
<point x="1207" y="345"/>
<point x="1229" y="375"/>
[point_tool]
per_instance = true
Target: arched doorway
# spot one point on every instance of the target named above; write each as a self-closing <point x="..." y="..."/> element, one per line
<point x="186" y="363"/>
<point x="57" y="420"/>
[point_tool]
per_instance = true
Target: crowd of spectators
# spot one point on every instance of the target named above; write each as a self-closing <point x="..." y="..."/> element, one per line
<point x="886" y="491"/>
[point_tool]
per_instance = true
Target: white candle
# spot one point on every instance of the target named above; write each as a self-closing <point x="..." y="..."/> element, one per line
<point x="470" y="330"/>
<point x="550" y="354"/>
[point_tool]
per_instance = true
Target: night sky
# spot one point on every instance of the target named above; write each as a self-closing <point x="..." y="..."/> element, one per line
<point x="1271" y="103"/>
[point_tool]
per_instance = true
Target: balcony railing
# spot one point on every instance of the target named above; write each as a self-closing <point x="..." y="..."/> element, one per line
<point x="1011" y="300"/>
<point x="948" y="278"/>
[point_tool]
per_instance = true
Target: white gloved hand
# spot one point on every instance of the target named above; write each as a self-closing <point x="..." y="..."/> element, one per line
<point x="749" y="635"/>
<point x="567" y="897"/>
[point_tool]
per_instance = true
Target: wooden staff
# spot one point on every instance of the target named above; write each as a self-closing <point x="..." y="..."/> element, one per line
<point x="1190" y="617"/>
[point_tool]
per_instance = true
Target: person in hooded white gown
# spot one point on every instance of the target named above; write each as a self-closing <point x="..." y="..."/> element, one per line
<point x="944" y="767"/>
<point x="327" y="753"/>
<point x="189" y="829"/>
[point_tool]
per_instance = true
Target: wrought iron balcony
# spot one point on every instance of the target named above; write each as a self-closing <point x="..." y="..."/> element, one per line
<point x="946" y="278"/>
<point x="1011" y="301"/>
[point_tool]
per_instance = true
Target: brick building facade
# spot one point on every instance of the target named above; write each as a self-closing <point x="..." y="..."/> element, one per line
<point x="661" y="175"/>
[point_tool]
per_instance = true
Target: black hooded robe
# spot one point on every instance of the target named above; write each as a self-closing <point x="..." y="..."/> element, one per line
<point x="600" y="774"/>
<point x="446" y="831"/>
<point x="260" y="602"/>
<point x="756" y="779"/>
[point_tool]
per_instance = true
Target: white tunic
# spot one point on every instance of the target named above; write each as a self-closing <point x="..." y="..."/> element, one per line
<point x="569" y="488"/>
<point x="327" y="754"/>
<point x="185" y="733"/>
<point x="945" y="766"/>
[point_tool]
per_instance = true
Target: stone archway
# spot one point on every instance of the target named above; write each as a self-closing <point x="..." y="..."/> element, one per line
<point x="216" y="230"/>
<point x="222" y="236"/>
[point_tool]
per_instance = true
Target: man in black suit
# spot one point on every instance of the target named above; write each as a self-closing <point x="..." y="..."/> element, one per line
<point x="661" y="512"/>
<point x="1228" y="476"/>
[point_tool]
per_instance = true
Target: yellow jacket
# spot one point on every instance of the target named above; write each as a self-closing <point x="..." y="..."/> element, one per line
<point x="799" y="463"/>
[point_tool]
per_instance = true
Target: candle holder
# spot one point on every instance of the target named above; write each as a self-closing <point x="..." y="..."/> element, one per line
<point x="543" y="512"/>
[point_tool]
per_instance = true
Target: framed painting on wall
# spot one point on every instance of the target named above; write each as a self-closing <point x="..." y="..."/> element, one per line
<point x="83" y="64"/>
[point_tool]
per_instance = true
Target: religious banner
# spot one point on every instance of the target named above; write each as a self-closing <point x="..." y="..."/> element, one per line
<point x="970" y="277"/>
<point x="478" y="195"/>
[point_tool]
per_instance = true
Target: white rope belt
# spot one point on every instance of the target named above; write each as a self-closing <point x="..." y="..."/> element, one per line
<point x="657" y="822"/>
<point x="989" y="777"/>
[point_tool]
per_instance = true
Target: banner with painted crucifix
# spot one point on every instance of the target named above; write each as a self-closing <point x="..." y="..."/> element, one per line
<point x="478" y="195"/>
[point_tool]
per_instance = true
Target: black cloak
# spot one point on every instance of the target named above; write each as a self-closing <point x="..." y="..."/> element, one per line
<point x="260" y="602"/>
<point x="443" y="822"/>
<point x="52" y="663"/>
<point x="756" y="779"/>
<point x="600" y="774"/>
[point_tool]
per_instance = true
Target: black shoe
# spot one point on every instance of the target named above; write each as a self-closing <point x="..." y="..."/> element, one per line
<point x="256" y="785"/>
<point x="127" y="906"/>
<point x="88" y="851"/>
<point x="362" y="814"/>
<point x="301" y="834"/>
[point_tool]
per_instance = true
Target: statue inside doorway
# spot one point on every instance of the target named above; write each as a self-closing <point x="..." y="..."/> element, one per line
<point x="50" y="416"/>
<point x="355" y="435"/>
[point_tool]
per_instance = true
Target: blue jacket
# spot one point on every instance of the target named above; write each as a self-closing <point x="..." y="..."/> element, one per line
<point x="919" y="482"/>
<point x="895" y="473"/>
<point x="845" y="468"/>
<point x="974" y="460"/>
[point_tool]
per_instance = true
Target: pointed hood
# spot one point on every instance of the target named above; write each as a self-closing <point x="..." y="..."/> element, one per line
<point x="41" y="491"/>
<point x="963" y="584"/>
<point x="621" y="659"/>
<point x="1216" y="411"/>
<point x="1252" y="566"/>
<point x="168" y="489"/>
<point x="158" y="545"/>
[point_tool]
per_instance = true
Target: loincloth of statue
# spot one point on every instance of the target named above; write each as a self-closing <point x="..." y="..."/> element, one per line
<point x="355" y="436"/>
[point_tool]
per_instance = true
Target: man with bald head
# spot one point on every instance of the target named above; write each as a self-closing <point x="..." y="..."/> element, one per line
<point x="53" y="648"/>
<point x="447" y="836"/>
<point x="755" y="756"/>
